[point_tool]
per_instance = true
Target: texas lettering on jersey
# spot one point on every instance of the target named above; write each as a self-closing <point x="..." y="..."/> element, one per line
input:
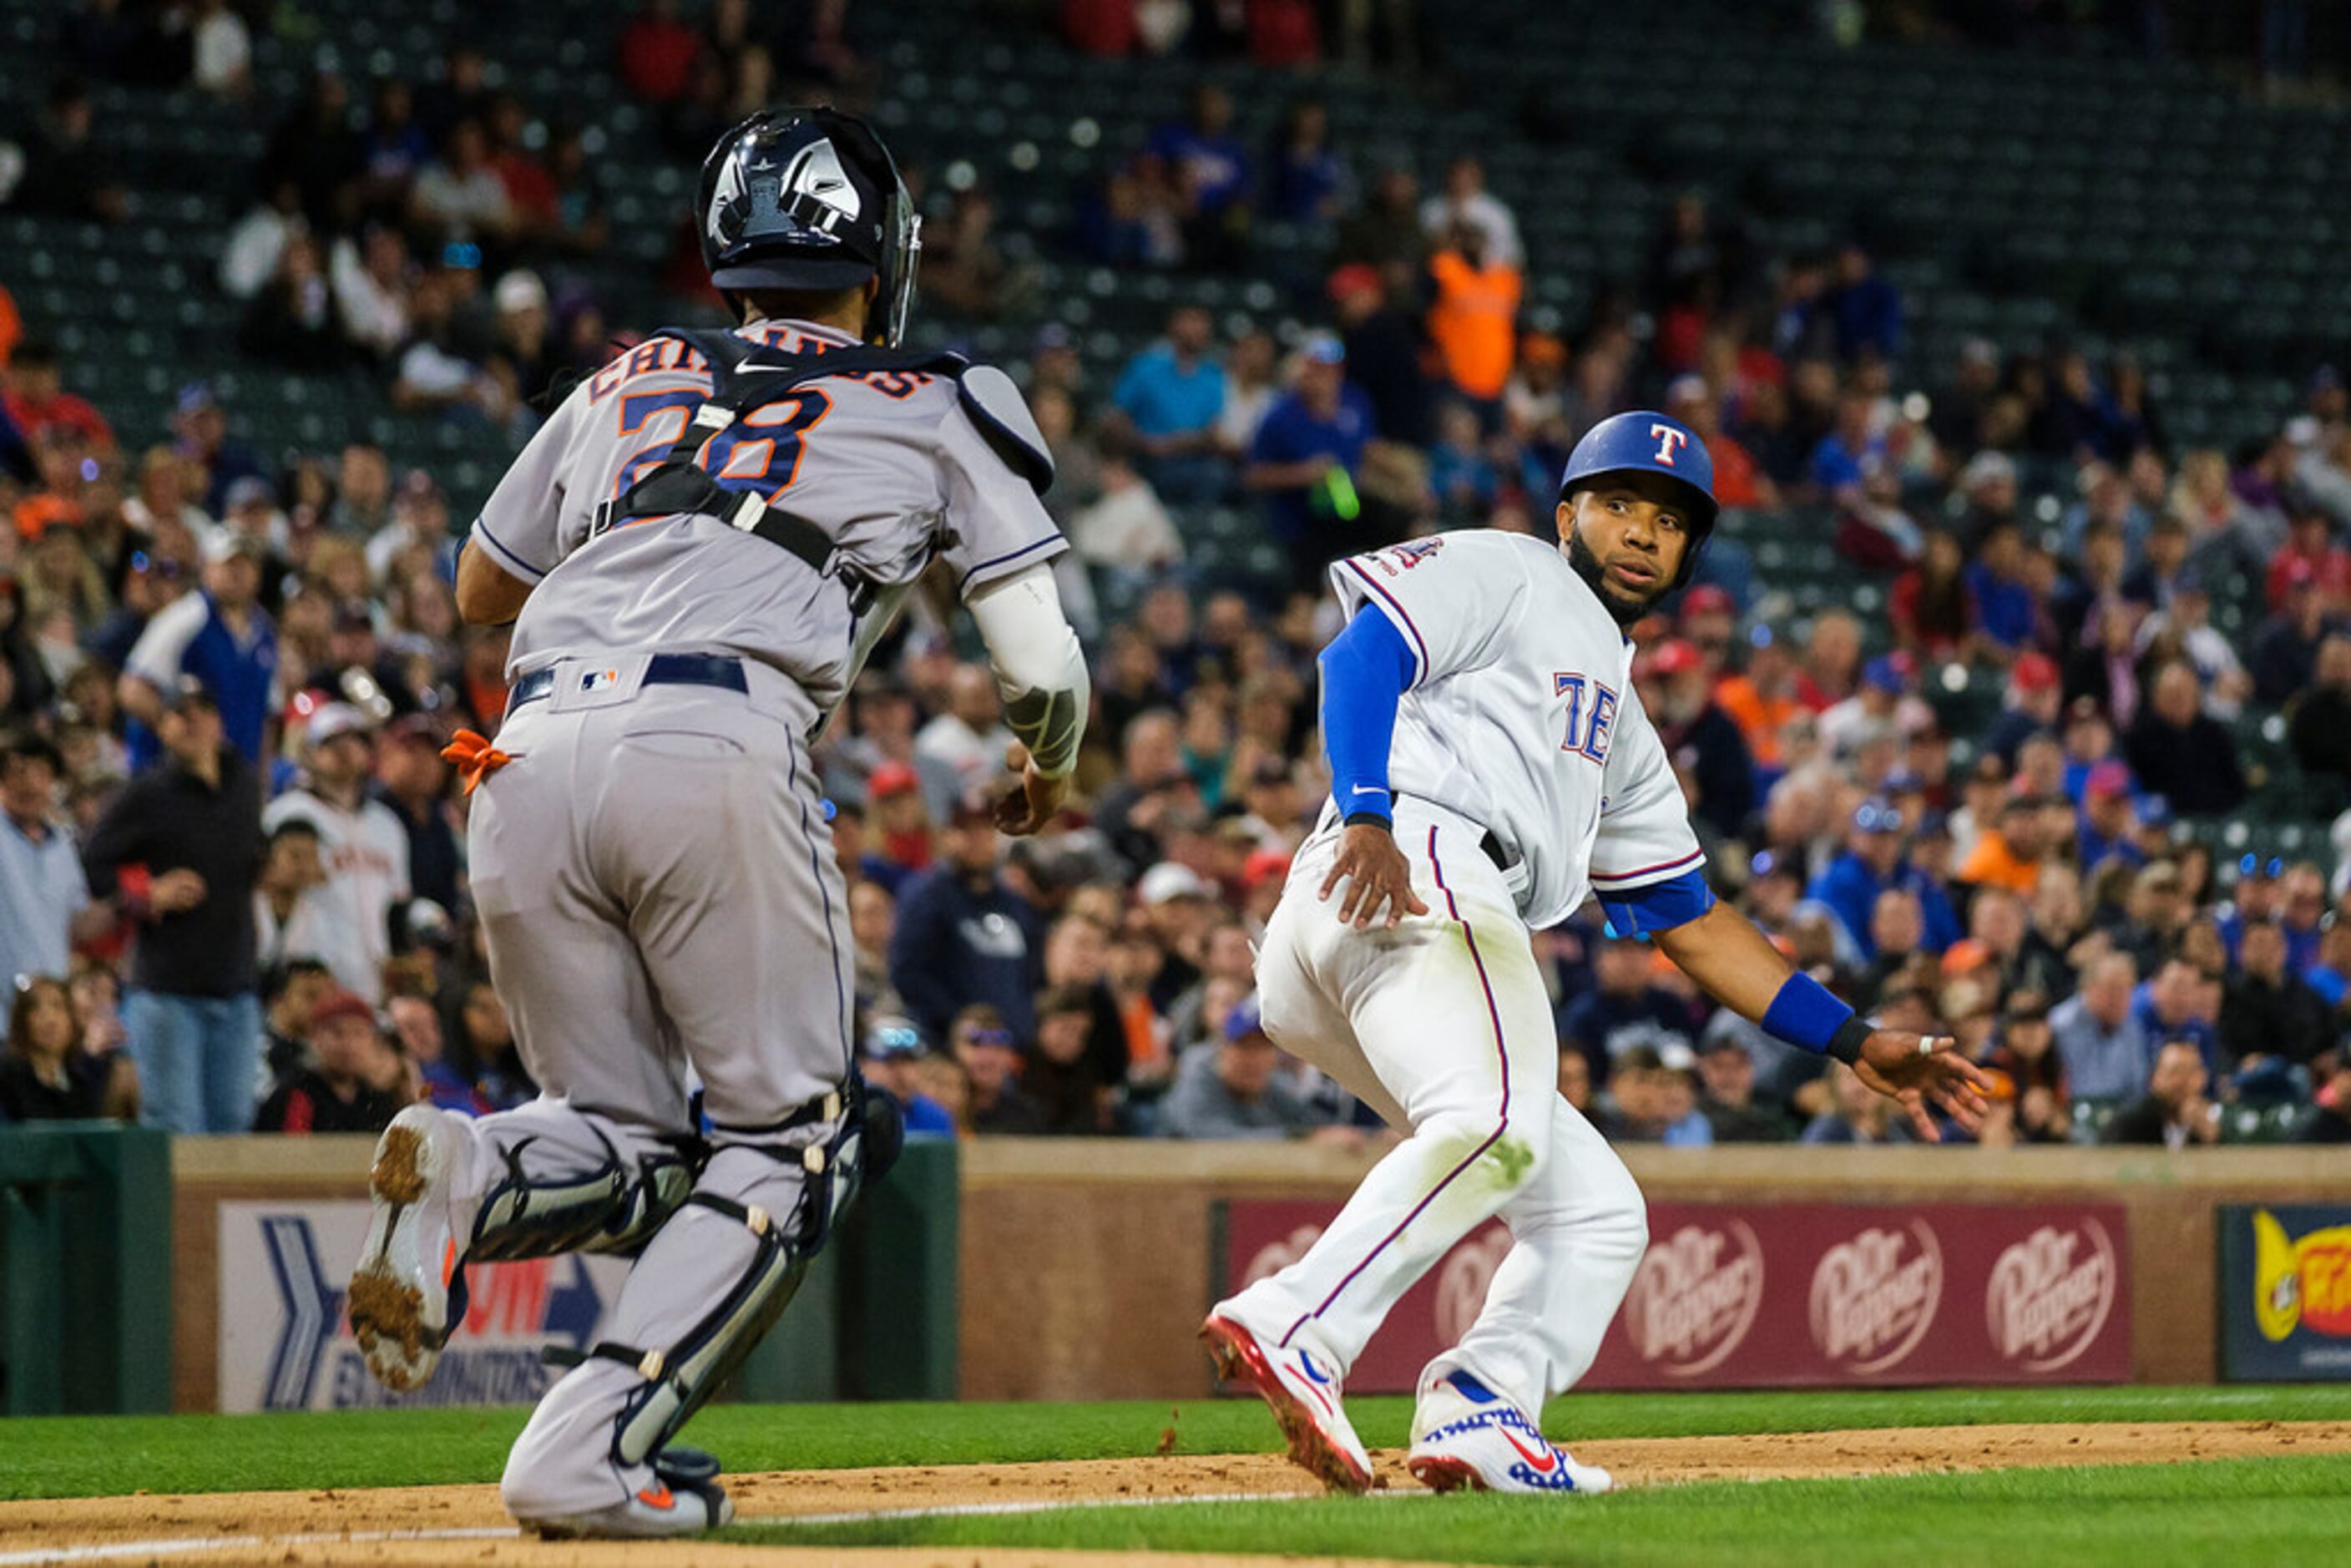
<point x="1589" y="723"/>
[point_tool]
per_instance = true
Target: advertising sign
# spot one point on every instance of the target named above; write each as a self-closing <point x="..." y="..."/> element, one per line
<point x="1762" y="1295"/>
<point x="285" y="1343"/>
<point x="2286" y="1293"/>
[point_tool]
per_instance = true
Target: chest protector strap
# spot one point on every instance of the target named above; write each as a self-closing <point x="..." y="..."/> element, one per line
<point x="745" y="375"/>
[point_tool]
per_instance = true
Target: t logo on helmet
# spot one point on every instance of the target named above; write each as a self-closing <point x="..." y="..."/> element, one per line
<point x="1669" y="438"/>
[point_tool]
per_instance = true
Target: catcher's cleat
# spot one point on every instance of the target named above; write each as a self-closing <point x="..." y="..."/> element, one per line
<point x="684" y="1498"/>
<point x="409" y="1287"/>
<point x="1472" y="1438"/>
<point x="1303" y="1393"/>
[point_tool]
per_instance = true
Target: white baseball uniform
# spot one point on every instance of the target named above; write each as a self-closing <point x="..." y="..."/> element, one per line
<point x="1525" y="777"/>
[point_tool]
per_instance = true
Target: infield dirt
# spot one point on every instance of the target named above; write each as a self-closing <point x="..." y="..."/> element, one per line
<point x="462" y="1523"/>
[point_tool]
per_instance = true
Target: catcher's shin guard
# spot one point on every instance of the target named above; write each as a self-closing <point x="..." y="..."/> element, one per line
<point x="819" y="1180"/>
<point x="614" y="1207"/>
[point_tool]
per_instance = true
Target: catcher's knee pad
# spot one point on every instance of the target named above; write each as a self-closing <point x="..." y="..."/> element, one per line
<point x="820" y="1179"/>
<point x="612" y="1206"/>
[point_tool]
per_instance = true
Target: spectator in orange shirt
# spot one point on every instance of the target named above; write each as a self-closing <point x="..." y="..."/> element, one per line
<point x="2009" y="855"/>
<point x="1739" y="482"/>
<point x="1762" y="700"/>
<point x="1473" y="320"/>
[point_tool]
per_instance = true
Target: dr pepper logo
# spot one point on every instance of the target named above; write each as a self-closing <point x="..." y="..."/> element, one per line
<point x="2050" y="1295"/>
<point x="2305" y="1282"/>
<point x="1695" y="1297"/>
<point x="1874" y="1297"/>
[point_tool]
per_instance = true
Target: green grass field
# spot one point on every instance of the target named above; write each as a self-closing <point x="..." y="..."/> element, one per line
<point x="2294" y="1508"/>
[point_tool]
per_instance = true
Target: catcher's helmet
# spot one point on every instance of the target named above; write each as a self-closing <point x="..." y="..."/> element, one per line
<point x="1644" y="441"/>
<point x="809" y="199"/>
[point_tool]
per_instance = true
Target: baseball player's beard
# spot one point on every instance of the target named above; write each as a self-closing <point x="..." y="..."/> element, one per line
<point x="1625" y="612"/>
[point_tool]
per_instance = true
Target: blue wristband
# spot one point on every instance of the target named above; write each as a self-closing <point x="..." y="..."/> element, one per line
<point x="1804" y="1015"/>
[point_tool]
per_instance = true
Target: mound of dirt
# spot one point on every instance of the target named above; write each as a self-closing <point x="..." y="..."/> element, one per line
<point x="444" y="1525"/>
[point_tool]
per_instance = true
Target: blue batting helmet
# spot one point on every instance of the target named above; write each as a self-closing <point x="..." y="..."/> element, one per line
<point x="1646" y="442"/>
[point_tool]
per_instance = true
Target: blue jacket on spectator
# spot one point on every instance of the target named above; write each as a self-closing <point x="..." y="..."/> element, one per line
<point x="189" y="637"/>
<point x="954" y="946"/>
<point x="1850" y="888"/>
<point x="1291" y="434"/>
<point x="1868" y="315"/>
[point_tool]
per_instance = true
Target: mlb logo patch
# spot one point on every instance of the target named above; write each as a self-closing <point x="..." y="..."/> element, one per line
<point x="597" y="680"/>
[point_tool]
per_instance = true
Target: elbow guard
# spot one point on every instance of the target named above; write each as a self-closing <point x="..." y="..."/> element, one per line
<point x="1039" y="668"/>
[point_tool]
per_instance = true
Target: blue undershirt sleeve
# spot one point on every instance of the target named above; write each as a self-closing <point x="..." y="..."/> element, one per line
<point x="1365" y="671"/>
<point x="1657" y="905"/>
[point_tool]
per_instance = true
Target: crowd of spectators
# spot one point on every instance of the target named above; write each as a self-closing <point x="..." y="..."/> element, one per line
<point x="231" y="871"/>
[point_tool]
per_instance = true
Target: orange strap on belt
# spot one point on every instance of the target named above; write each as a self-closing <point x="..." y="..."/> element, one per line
<point x="473" y="758"/>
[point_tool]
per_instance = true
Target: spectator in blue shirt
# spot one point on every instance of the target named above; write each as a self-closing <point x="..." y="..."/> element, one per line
<point x="1872" y="863"/>
<point x="2179" y="1003"/>
<point x="222" y="637"/>
<point x="964" y="934"/>
<point x="1173" y="394"/>
<point x="1209" y="170"/>
<point x="1865" y="308"/>
<point x="2005" y="611"/>
<point x="1848" y="454"/>
<point x="2104" y="1047"/>
<point x="887" y="1058"/>
<point x="1305" y="458"/>
<point x="1305" y="181"/>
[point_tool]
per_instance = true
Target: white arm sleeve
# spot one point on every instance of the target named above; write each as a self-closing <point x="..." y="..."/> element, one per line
<point x="1038" y="665"/>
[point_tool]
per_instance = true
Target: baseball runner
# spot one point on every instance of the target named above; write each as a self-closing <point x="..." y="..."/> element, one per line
<point x="697" y="551"/>
<point x="1491" y="766"/>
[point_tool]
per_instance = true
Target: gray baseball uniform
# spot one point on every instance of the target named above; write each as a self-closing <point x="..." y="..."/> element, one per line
<point x="656" y="879"/>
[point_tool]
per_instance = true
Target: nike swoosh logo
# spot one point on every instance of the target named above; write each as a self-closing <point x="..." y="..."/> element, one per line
<point x="659" y="1497"/>
<point x="1542" y="1462"/>
<point x="1365" y="790"/>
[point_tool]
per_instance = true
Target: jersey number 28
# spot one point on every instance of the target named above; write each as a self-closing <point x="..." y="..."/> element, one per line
<point x="760" y="451"/>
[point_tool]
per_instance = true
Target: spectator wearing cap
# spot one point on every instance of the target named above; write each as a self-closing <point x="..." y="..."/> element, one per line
<point x="1172" y="396"/>
<point x="1873" y="862"/>
<point x="43" y="896"/>
<point x="1237" y="1089"/>
<point x="180" y="850"/>
<point x="2252" y="899"/>
<point x="1882" y="700"/>
<point x="1703" y="742"/>
<point x="221" y="637"/>
<point x="290" y="991"/>
<point x="2265" y="1010"/>
<point x="1305" y="458"/>
<point x="1176" y="909"/>
<point x="964" y="934"/>
<point x="411" y="783"/>
<point x="361" y="842"/>
<point x="352" y="1083"/>
<point x="1726" y="1100"/>
<point x="200" y="426"/>
<point x="901" y="827"/>
<point x="2174" y="1111"/>
<point x="888" y="1056"/>
<point x="2180" y="752"/>
<point x="2030" y="704"/>
<point x="2286" y="648"/>
<point x="2109" y="819"/>
<point x="1622" y="1010"/>
<point x="1384" y="353"/>
<point x="989" y="1054"/>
